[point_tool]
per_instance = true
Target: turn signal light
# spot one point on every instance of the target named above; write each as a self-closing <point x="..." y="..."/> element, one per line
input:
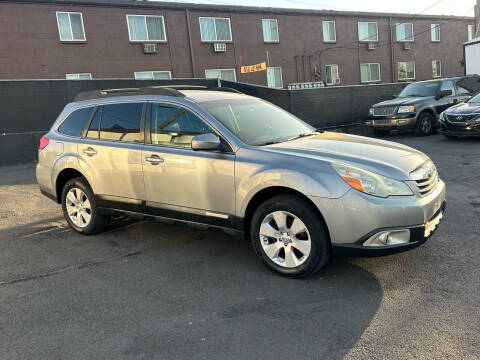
<point x="43" y="143"/>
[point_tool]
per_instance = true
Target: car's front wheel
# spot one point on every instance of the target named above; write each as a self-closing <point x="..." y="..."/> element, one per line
<point x="424" y="124"/>
<point x="289" y="237"/>
<point x="80" y="208"/>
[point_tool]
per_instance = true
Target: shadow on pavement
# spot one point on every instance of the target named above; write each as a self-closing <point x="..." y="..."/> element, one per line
<point x="184" y="294"/>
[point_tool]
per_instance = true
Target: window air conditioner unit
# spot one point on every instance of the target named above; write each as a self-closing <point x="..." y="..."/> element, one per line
<point x="219" y="47"/>
<point x="336" y="81"/>
<point x="407" y="45"/>
<point x="371" y="46"/>
<point x="149" y="48"/>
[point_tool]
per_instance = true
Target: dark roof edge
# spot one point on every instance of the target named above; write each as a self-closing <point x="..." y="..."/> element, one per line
<point x="234" y="8"/>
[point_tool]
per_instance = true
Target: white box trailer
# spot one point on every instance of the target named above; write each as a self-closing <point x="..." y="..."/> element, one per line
<point x="471" y="50"/>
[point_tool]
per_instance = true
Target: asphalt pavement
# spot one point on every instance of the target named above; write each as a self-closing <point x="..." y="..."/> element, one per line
<point x="145" y="290"/>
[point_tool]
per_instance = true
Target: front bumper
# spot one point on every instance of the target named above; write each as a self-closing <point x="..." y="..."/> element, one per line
<point x="454" y="129"/>
<point x="395" y="122"/>
<point x="355" y="217"/>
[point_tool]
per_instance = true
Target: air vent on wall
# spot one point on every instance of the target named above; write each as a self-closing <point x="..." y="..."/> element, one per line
<point x="149" y="48"/>
<point x="407" y="45"/>
<point x="219" y="47"/>
<point x="337" y="81"/>
<point x="371" y="46"/>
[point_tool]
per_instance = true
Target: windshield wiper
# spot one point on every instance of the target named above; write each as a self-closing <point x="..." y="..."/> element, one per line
<point x="301" y="135"/>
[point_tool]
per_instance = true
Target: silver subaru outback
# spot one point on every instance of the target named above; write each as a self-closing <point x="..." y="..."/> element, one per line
<point x="219" y="158"/>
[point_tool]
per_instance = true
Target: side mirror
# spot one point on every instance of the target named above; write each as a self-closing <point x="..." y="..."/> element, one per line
<point x="444" y="93"/>
<point x="206" y="142"/>
<point x="395" y="96"/>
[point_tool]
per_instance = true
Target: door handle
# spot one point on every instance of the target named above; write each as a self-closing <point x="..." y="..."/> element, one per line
<point x="154" y="159"/>
<point x="89" y="151"/>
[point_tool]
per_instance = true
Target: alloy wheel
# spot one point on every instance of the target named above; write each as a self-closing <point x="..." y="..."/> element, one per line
<point x="78" y="207"/>
<point x="285" y="239"/>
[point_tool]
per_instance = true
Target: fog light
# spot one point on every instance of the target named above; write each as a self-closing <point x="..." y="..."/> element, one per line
<point x="401" y="122"/>
<point x="392" y="237"/>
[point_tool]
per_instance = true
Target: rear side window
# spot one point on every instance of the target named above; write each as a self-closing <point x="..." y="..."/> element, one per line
<point x="121" y="122"/>
<point x="74" y="124"/>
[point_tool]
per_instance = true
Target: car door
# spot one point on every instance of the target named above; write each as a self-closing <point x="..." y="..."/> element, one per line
<point x="446" y="101"/>
<point x="111" y="154"/>
<point x="180" y="182"/>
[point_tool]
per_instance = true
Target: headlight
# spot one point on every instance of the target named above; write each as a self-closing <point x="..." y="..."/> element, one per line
<point x="406" y="109"/>
<point x="370" y="111"/>
<point x="442" y="116"/>
<point x="371" y="183"/>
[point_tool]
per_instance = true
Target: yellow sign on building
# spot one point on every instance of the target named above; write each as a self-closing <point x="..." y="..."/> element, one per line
<point x="253" y="68"/>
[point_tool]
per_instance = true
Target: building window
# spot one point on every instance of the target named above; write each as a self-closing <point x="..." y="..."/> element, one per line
<point x="404" y="32"/>
<point x="223" y="74"/>
<point x="471" y="32"/>
<point x="146" y="28"/>
<point x="367" y="31"/>
<point x="153" y="75"/>
<point x="79" y="76"/>
<point x="70" y="26"/>
<point x="406" y="70"/>
<point x="270" y="30"/>
<point x="369" y="72"/>
<point x="215" y="29"/>
<point x="435" y="32"/>
<point x="329" y="34"/>
<point x="437" y="68"/>
<point x="274" y="77"/>
<point x="331" y="75"/>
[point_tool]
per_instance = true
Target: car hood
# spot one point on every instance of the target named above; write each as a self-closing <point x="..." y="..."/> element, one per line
<point x="464" y="109"/>
<point x="403" y="101"/>
<point x="383" y="157"/>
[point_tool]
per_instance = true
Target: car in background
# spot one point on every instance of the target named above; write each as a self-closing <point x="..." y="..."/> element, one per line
<point x="419" y="104"/>
<point x="461" y="119"/>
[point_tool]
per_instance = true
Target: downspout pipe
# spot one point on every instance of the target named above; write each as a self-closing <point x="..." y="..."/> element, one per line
<point x="192" y="57"/>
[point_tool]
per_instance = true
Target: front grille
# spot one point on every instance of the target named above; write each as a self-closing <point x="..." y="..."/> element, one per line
<point x="426" y="178"/>
<point x="384" y="110"/>
<point x="461" y="118"/>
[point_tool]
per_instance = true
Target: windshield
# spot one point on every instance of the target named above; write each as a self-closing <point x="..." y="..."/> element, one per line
<point x="256" y="122"/>
<point x="420" y="89"/>
<point x="475" y="99"/>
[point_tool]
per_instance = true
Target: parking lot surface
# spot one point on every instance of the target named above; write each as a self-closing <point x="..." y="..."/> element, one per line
<point x="146" y="290"/>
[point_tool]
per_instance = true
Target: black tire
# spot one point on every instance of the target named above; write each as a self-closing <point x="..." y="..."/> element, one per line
<point x="424" y="124"/>
<point x="97" y="222"/>
<point x="308" y="214"/>
<point x="380" y="132"/>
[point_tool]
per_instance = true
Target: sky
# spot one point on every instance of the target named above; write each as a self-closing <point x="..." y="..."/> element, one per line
<point x="443" y="7"/>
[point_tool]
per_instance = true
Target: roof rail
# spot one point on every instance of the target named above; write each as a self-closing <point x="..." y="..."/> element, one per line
<point x="108" y="93"/>
<point x="200" y="87"/>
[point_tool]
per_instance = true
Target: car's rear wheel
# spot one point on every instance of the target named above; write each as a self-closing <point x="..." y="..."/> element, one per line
<point x="424" y="124"/>
<point x="80" y="208"/>
<point x="289" y="236"/>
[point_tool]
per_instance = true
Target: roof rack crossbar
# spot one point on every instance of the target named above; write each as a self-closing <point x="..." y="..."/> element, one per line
<point x="162" y="90"/>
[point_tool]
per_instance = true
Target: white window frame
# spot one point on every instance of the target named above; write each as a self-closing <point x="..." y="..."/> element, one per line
<point x="470" y="34"/>
<point x="152" y="72"/>
<point x="396" y="32"/>
<point x="146" y="29"/>
<point x="439" y="67"/>
<point x="234" y="73"/>
<point x="69" y="21"/>
<point x="432" y="31"/>
<point x="371" y="81"/>
<point x="407" y="78"/>
<point x="358" y="29"/>
<point x="338" y="73"/>
<point x="215" y="28"/>
<point x="278" y="33"/>
<point x="281" y="76"/>
<point x="334" y="31"/>
<point x="78" y="76"/>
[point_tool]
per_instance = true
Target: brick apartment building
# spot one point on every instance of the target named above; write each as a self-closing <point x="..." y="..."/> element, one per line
<point x="78" y="39"/>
